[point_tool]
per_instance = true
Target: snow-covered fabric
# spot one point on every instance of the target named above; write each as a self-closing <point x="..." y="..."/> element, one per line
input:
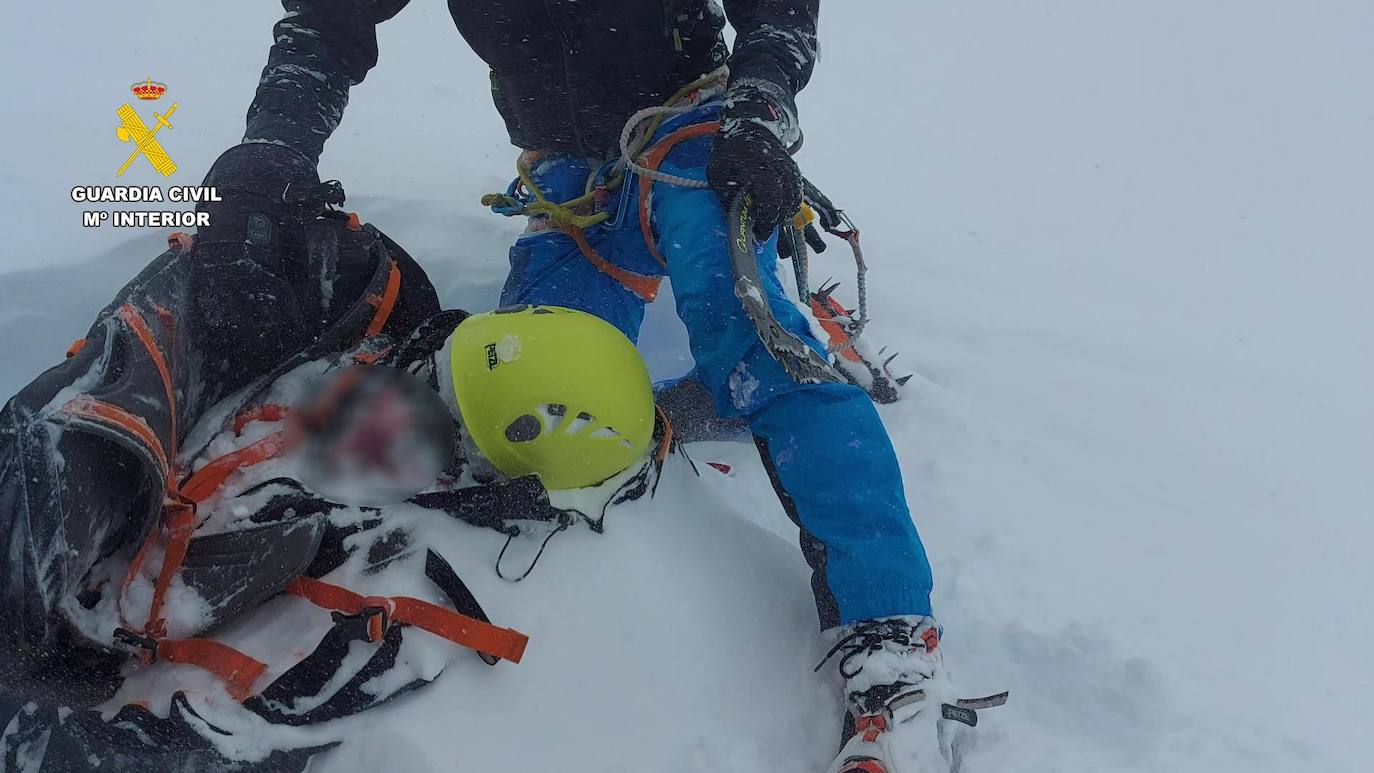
<point x="79" y="492"/>
<point x="824" y="443"/>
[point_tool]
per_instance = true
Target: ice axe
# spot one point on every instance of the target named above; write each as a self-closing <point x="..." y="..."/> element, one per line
<point x="855" y="363"/>
<point x="804" y="364"/>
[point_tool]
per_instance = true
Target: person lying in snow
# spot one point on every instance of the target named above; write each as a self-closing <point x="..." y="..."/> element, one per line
<point x="573" y="82"/>
<point x="151" y="511"/>
<point x="639" y="129"/>
<point x="147" y="513"/>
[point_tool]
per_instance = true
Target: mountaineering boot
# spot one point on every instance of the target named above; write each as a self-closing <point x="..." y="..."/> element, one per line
<point x="895" y="688"/>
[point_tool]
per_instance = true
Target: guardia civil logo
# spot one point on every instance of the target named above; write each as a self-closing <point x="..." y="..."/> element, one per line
<point x="132" y="129"/>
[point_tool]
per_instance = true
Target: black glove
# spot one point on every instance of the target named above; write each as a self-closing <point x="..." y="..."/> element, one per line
<point x="750" y="153"/>
<point x="269" y="192"/>
<point x="249" y="315"/>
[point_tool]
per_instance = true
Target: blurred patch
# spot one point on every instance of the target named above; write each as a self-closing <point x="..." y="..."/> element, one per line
<point x="370" y="435"/>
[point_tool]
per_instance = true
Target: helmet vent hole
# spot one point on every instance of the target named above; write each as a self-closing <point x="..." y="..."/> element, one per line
<point x="523" y="429"/>
<point x="553" y="414"/>
<point x="580" y="423"/>
<point x="605" y="433"/>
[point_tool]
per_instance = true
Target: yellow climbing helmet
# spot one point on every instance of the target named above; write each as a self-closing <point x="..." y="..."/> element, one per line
<point x="553" y="392"/>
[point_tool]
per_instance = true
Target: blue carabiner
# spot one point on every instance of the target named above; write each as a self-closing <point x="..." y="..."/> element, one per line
<point x="626" y="185"/>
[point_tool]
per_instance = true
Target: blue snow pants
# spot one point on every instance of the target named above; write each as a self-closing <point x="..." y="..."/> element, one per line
<point x="824" y="445"/>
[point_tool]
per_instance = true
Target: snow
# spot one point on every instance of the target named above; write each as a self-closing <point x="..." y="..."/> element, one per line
<point x="1125" y="247"/>
<point x="508" y="348"/>
<point x="743" y="386"/>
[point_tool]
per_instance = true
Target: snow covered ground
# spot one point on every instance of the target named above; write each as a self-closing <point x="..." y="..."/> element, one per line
<point x="1125" y="245"/>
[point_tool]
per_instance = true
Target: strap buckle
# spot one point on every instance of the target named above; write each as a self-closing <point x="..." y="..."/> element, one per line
<point x="134" y="643"/>
<point x="375" y="618"/>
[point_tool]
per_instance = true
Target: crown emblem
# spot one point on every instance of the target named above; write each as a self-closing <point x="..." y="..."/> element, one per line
<point x="149" y="89"/>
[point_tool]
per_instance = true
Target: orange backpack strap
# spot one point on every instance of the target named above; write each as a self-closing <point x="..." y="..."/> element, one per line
<point x="134" y="319"/>
<point x="238" y="671"/>
<point x="178" y="523"/>
<point x="207" y="480"/>
<point x="445" y="623"/>
<point x="180" y="520"/>
<point x="264" y="412"/>
<point x="386" y="302"/>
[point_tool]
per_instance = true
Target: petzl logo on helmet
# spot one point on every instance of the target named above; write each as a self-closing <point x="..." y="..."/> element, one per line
<point x="492" y="359"/>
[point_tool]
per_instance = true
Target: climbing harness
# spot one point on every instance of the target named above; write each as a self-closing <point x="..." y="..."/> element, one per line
<point x="523" y="196"/>
<point x="641" y="160"/>
<point x="573" y="217"/>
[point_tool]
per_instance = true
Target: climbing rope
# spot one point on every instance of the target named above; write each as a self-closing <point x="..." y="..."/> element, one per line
<point x="639" y="129"/>
<point x="656" y="116"/>
<point x="524" y="197"/>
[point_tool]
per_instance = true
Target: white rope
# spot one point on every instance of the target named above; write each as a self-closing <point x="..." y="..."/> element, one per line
<point x="637" y="126"/>
<point x="636" y="135"/>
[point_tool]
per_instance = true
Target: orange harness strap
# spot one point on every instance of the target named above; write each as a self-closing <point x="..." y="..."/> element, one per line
<point x="652" y="159"/>
<point x="458" y="628"/>
<point x="646" y="287"/>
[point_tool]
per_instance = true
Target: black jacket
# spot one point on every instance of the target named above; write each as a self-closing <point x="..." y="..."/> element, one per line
<point x="565" y="74"/>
